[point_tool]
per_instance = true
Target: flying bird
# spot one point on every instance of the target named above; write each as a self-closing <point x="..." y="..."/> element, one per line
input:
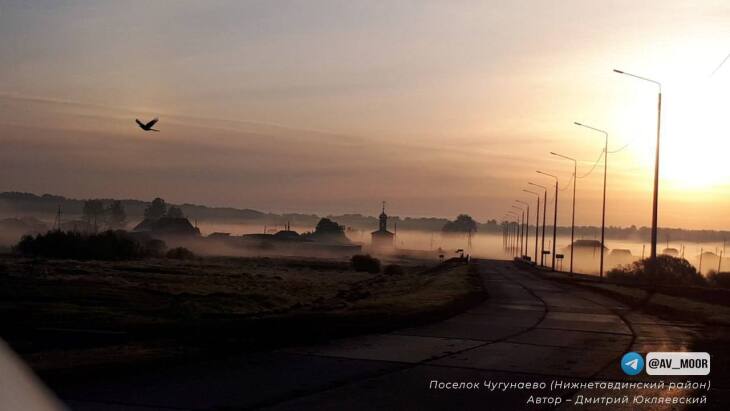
<point x="148" y="126"/>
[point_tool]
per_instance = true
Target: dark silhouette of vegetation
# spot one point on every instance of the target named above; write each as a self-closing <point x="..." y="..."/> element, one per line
<point x="328" y="231"/>
<point x="174" y="212"/>
<point x="47" y="204"/>
<point x="117" y="216"/>
<point x="393" y="269"/>
<point x="180" y="253"/>
<point x="720" y="280"/>
<point x="108" y="245"/>
<point x="156" y="209"/>
<point x="93" y="211"/>
<point x="463" y="224"/>
<point x="327" y="226"/>
<point x="669" y="271"/>
<point x="365" y="263"/>
<point x="95" y="214"/>
<point x="154" y="247"/>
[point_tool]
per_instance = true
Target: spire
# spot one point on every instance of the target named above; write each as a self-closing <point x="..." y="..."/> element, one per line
<point x="383" y="219"/>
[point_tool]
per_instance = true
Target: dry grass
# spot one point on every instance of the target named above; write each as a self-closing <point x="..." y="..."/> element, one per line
<point x="669" y="306"/>
<point x="69" y="313"/>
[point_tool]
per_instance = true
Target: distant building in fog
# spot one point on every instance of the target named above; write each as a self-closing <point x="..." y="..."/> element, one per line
<point x="382" y="239"/>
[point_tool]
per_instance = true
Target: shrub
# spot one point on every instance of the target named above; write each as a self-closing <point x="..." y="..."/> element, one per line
<point x="393" y="269"/>
<point x="154" y="248"/>
<point x="669" y="270"/>
<point x="721" y="279"/>
<point x="364" y="262"/>
<point x="108" y="245"/>
<point x="180" y="253"/>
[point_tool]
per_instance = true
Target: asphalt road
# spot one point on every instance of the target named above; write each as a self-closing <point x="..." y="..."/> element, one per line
<point x="529" y="330"/>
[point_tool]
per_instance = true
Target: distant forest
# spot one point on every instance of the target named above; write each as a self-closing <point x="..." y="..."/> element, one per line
<point x="16" y="204"/>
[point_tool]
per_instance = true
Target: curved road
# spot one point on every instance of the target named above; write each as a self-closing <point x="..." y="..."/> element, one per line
<point x="529" y="330"/>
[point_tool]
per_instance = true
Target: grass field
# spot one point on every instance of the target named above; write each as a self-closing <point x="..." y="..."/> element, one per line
<point x="71" y="314"/>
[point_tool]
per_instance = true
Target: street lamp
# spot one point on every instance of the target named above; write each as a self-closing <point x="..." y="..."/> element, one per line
<point x="513" y="230"/>
<point x="537" y="219"/>
<point x="555" y="214"/>
<point x="527" y="224"/>
<point x="544" y="209"/>
<point x="605" y="170"/>
<point x="655" y="202"/>
<point x="505" y="233"/>
<point x="572" y="223"/>
<point x="522" y="221"/>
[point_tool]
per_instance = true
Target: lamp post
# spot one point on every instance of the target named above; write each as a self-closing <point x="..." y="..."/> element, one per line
<point x="655" y="201"/>
<point x="537" y="219"/>
<point x="521" y="223"/>
<point x="527" y="225"/>
<point x="555" y="214"/>
<point x="513" y="229"/>
<point x="505" y="234"/>
<point x="544" y="209"/>
<point x="605" y="170"/>
<point x="572" y="223"/>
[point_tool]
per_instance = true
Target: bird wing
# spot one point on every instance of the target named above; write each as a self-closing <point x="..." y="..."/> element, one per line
<point x="152" y="122"/>
<point x="139" y="123"/>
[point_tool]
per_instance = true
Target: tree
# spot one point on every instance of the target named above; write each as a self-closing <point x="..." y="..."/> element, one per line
<point x="92" y="210"/>
<point x="327" y="226"/>
<point x="157" y="209"/>
<point x="328" y="231"/>
<point x="117" y="216"/>
<point x="174" y="212"/>
<point x="668" y="270"/>
<point x="463" y="224"/>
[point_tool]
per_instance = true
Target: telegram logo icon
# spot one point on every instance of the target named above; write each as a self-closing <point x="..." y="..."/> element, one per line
<point x="632" y="363"/>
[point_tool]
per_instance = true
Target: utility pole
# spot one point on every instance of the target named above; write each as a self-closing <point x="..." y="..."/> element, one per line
<point x="655" y="199"/>
<point x="702" y="251"/>
<point x="719" y="263"/>
<point x="572" y="223"/>
<point x="537" y="219"/>
<point x="522" y="221"/>
<point x="544" y="209"/>
<point x="522" y="232"/>
<point x="555" y="216"/>
<point x="57" y="223"/>
<point x="603" y="212"/>
<point x="527" y="226"/>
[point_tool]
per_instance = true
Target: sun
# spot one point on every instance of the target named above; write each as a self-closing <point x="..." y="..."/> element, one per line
<point x="696" y="136"/>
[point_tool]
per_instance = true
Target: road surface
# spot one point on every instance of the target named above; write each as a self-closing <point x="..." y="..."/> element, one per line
<point x="529" y="330"/>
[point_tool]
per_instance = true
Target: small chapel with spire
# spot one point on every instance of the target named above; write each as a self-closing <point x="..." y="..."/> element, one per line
<point x="382" y="239"/>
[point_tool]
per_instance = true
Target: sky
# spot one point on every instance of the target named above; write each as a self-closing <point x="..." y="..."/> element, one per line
<point x="329" y="107"/>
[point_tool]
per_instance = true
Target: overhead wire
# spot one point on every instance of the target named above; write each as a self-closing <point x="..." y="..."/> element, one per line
<point x="720" y="66"/>
<point x="593" y="167"/>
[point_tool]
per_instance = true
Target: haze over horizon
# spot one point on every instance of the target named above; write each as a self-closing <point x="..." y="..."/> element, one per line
<point x="330" y="107"/>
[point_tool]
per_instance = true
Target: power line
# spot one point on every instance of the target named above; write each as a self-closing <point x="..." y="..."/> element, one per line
<point x="621" y="148"/>
<point x="594" y="166"/>
<point x="567" y="186"/>
<point x="720" y="66"/>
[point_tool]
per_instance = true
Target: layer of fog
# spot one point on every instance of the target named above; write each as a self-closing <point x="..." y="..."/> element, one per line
<point x="482" y="245"/>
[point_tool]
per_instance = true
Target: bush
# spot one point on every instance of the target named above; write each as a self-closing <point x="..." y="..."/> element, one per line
<point x="721" y="280"/>
<point x="154" y="248"/>
<point x="393" y="269"/>
<point x="108" y="245"/>
<point x="669" y="270"/>
<point x="180" y="253"/>
<point x="364" y="262"/>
